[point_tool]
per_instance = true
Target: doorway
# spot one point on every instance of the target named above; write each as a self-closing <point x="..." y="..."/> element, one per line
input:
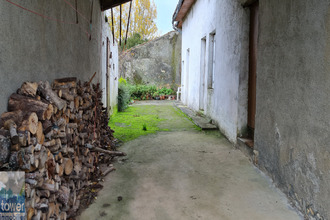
<point x="187" y="76"/>
<point x="254" y="21"/>
<point x="202" y="74"/>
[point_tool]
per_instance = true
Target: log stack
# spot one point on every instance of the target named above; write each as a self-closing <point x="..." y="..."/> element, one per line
<point x="59" y="135"/>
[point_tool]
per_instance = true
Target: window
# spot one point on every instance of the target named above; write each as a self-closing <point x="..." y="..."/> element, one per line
<point x="211" y="61"/>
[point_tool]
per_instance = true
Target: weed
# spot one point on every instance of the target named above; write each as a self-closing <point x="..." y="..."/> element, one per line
<point x="144" y="127"/>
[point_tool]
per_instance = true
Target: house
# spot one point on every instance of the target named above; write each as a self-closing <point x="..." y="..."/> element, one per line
<point x="45" y="41"/>
<point x="260" y="70"/>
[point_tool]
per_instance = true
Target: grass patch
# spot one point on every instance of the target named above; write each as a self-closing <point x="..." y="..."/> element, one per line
<point x="135" y="121"/>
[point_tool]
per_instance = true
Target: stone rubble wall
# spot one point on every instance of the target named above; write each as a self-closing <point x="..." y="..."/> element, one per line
<point x="156" y="62"/>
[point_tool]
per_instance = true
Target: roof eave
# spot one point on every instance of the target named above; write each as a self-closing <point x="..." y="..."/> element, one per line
<point x="181" y="12"/>
<point x="107" y="4"/>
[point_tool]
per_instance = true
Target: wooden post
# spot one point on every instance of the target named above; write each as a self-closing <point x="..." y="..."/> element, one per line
<point x="129" y="16"/>
<point x="120" y="26"/>
<point x="76" y="5"/>
<point x="112" y="28"/>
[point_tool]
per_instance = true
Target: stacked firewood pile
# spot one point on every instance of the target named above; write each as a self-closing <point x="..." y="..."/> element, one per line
<point x="59" y="135"/>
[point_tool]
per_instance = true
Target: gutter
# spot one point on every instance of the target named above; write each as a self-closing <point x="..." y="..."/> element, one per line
<point x="176" y="12"/>
<point x="181" y="11"/>
<point x="175" y="26"/>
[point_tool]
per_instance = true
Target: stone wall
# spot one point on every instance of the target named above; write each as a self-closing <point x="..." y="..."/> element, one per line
<point x="293" y="100"/>
<point x="156" y="62"/>
<point x="34" y="48"/>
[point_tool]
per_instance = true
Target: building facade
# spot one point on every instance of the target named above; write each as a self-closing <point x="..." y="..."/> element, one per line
<point x="260" y="69"/>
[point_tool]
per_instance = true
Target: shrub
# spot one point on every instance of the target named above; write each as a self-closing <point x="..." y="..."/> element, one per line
<point x="142" y="91"/>
<point x="122" y="81"/>
<point x="132" y="41"/>
<point x="123" y="95"/>
<point x="166" y="91"/>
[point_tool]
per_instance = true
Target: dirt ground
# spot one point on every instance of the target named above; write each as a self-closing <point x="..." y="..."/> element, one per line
<point x="184" y="173"/>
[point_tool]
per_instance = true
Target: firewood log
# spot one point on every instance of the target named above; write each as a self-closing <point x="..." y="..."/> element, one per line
<point x="57" y="210"/>
<point x="61" y="169"/>
<point x="30" y="123"/>
<point x="46" y="90"/>
<point x="37" y="147"/>
<point x="50" y="143"/>
<point x="65" y="83"/>
<point x="43" y="193"/>
<point x="43" y="207"/>
<point x="42" y="157"/>
<point x="35" y="175"/>
<point x="46" y="125"/>
<point x="63" y="216"/>
<point x="23" y="138"/>
<point x="37" y="216"/>
<point x="48" y="186"/>
<point x="29" y="213"/>
<point x="63" y="195"/>
<point x="40" y="134"/>
<point x="108" y="170"/>
<point x="27" y="104"/>
<point x="5" y="145"/>
<point x="31" y="182"/>
<point x="11" y="126"/>
<point x="16" y="116"/>
<point x="68" y="166"/>
<point x="51" y="210"/>
<point x="28" y="89"/>
<point x="67" y="95"/>
<point x="15" y="147"/>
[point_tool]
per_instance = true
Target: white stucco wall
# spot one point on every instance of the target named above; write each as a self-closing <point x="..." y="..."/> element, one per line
<point x="113" y="69"/>
<point x="226" y="103"/>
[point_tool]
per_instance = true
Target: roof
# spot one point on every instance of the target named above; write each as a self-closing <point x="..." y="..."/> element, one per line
<point x="107" y="4"/>
<point x="181" y="11"/>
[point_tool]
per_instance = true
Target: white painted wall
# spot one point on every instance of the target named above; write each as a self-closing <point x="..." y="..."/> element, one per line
<point x="226" y="103"/>
<point x="113" y="69"/>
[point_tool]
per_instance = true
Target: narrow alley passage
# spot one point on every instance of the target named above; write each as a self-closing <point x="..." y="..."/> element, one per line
<point x="185" y="173"/>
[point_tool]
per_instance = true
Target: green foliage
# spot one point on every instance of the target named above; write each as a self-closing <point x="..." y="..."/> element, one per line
<point x="127" y="91"/>
<point x="144" y="127"/>
<point x="166" y="91"/>
<point x="123" y="95"/>
<point x="122" y="81"/>
<point x="136" y="39"/>
<point x="145" y="92"/>
<point x="142" y="92"/>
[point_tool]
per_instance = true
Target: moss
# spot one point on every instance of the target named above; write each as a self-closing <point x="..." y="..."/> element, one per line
<point x="137" y="79"/>
<point x="174" y="62"/>
<point x="114" y="111"/>
<point x="180" y="113"/>
<point x="130" y="124"/>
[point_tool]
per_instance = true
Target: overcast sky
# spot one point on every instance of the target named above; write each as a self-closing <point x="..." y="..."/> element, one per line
<point x="165" y="10"/>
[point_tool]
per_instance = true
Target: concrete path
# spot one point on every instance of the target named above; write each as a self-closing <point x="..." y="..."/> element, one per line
<point x="186" y="174"/>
